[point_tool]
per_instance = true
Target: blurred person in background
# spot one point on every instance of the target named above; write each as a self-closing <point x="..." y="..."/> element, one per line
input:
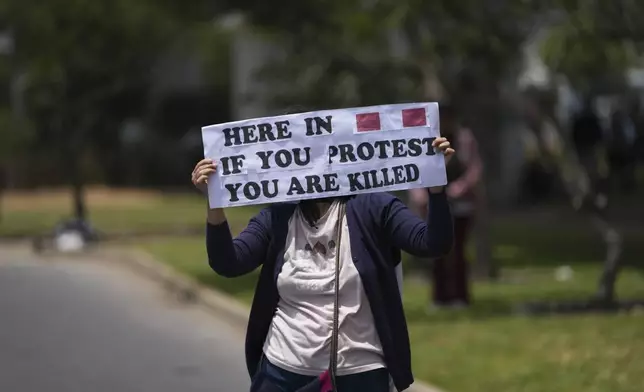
<point x="621" y="146"/>
<point x="589" y="142"/>
<point x="638" y="116"/>
<point x="540" y="166"/>
<point x="450" y="275"/>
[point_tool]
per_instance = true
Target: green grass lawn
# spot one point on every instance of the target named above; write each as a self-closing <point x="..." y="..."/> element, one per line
<point x="488" y="347"/>
<point x="109" y="213"/>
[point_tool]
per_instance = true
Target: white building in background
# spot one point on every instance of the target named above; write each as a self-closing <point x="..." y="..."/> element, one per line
<point x="249" y="96"/>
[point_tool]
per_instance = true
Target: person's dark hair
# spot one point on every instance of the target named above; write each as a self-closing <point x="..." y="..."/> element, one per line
<point x="310" y="208"/>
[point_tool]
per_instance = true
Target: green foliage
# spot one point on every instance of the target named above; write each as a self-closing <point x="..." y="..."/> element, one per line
<point x="350" y="53"/>
<point x="337" y="58"/>
<point x="594" y="39"/>
<point x="14" y="134"/>
<point x="79" y="53"/>
<point x="212" y="43"/>
<point x="467" y="33"/>
<point x="89" y="60"/>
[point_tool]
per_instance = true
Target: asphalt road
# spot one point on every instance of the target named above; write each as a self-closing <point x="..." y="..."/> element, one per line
<point x="79" y="325"/>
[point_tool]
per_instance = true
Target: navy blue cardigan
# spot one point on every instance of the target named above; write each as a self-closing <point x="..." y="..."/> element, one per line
<point x="380" y="226"/>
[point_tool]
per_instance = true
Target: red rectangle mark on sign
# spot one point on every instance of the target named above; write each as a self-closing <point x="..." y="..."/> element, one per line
<point x="414" y="117"/>
<point x="368" y="122"/>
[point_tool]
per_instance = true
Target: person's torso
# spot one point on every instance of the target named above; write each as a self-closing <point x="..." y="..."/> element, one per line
<point x="586" y="131"/>
<point x="456" y="168"/>
<point x="300" y="333"/>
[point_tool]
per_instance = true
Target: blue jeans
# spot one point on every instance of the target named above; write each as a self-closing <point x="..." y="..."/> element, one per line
<point x="270" y="378"/>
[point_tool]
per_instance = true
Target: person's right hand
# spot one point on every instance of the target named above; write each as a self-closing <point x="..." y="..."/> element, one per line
<point x="204" y="169"/>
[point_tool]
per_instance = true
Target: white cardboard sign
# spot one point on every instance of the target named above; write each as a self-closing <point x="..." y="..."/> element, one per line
<point x="324" y="154"/>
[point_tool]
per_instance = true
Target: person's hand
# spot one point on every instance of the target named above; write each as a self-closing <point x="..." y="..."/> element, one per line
<point x="455" y="190"/>
<point x="443" y="146"/>
<point x="202" y="171"/>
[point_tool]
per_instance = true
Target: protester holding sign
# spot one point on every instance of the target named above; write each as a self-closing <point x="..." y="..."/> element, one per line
<point x="327" y="311"/>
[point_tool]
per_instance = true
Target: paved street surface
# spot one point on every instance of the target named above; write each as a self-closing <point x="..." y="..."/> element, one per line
<point x="83" y="326"/>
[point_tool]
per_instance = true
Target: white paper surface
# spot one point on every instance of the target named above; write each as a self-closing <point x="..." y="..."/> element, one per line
<point x="355" y="150"/>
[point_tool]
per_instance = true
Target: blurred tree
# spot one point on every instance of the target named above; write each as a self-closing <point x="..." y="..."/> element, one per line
<point x="594" y="41"/>
<point x="592" y="44"/>
<point x="14" y="130"/>
<point x="87" y="65"/>
<point x="330" y="53"/>
<point x="15" y="133"/>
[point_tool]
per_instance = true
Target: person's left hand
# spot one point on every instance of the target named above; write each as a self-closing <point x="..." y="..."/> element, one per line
<point x="455" y="190"/>
<point x="443" y="146"/>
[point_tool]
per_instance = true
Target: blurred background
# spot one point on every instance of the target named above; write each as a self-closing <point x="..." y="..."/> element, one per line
<point x="102" y="101"/>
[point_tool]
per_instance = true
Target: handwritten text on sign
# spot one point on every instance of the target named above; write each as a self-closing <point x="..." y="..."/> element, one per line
<point x="324" y="154"/>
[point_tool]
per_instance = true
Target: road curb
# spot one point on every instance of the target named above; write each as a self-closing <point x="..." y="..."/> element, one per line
<point x="184" y="287"/>
<point x="188" y="289"/>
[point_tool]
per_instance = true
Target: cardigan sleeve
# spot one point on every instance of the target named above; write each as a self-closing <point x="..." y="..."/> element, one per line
<point x="230" y="257"/>
<point x="432" y="237"/>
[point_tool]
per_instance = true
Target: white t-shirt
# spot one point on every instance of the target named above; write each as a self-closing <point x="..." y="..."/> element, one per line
<point x="300" y="335"/>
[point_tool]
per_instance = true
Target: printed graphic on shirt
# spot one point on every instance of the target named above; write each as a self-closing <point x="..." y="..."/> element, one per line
<point x="319" y="248"/>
